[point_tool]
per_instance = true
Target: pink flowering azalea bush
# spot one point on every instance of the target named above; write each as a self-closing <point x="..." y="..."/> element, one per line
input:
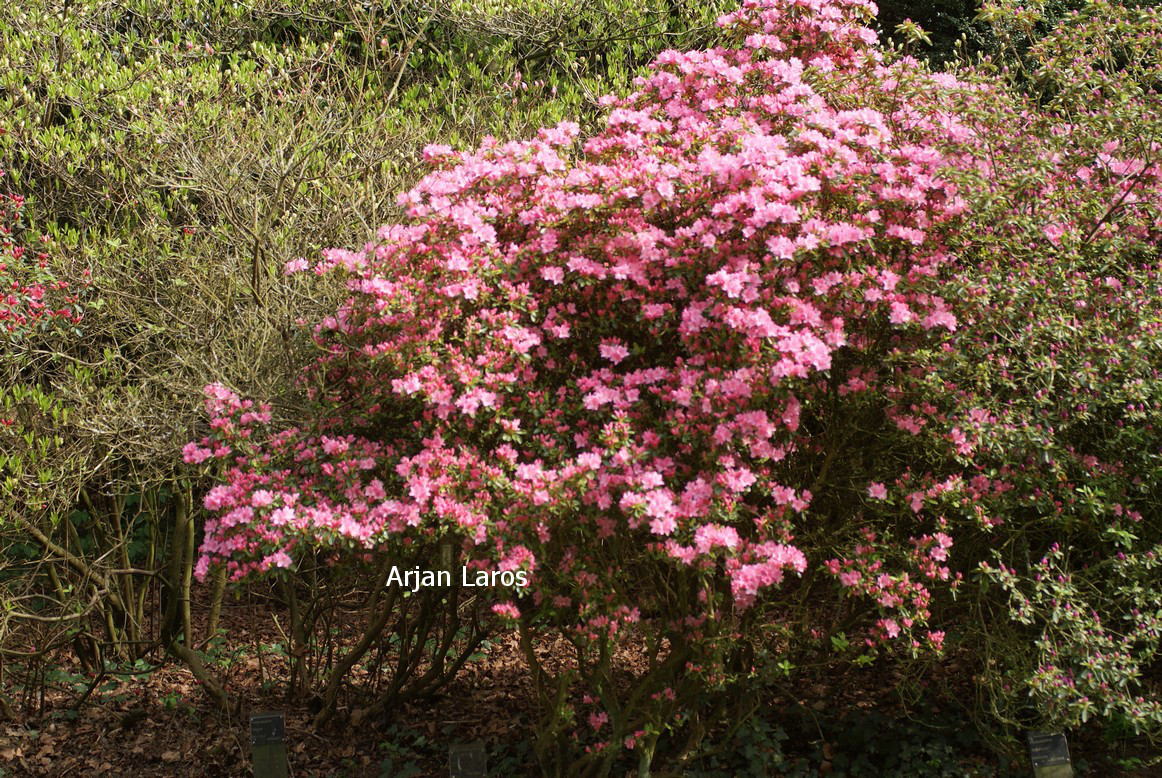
<point x="1035" y="426"/>
<point x="774" y="364"/>
<point x="1050" y="390"/>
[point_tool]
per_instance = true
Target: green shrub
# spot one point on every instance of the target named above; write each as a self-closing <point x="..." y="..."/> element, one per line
<point x="184" y="153"/>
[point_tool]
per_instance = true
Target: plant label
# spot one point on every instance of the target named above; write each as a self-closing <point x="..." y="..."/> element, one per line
<point x="1049" y="753"/>
<point x="268" y="745"/>
<point x="468" y="761"/>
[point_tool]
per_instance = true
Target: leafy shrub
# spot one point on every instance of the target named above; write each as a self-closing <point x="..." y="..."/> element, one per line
<point x="184" y="153"/>
<point x="587" y="359"/>
<point x="1053" y="383"/>
<point x="797" y="310"/>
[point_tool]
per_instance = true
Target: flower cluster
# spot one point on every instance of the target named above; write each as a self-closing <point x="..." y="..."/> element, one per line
<point x="621" y="336"/>
<point x="32" y="298"/>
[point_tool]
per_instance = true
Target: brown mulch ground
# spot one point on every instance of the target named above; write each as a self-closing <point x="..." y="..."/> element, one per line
<point x="158" y="722"/>
<point x="162" y="726"/>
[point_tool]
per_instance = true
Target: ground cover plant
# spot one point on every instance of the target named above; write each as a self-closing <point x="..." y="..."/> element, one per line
<point x="801" y="359"/>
